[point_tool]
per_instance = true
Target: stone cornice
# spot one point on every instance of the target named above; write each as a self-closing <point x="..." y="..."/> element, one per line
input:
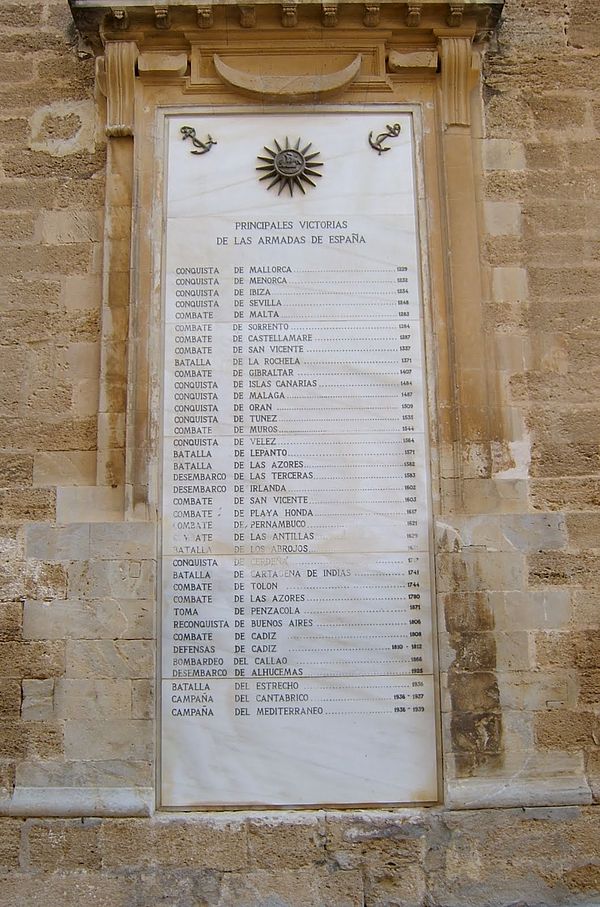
<point x="176" y="23"/>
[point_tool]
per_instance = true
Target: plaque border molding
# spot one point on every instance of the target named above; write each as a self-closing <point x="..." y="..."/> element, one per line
<point x="429" y="313"/>
<point x="97" y="20"/>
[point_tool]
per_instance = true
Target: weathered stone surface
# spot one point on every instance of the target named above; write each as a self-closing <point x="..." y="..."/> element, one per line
<point x="108" y="738"/>
<point x="119" y="579"/>
<point x="21" y="504"/>
<point x="295" y="844"/>
<point x="388" y="855"/>
<point x="68" y="889"/>
<point x="11" y="621"/>
<point x="15" y="470"/>
<point x="106" y="619"/>
<point x="503" y="154"/>
<point x="64" y="468"/>
<point x="477" y="570"/>
<point x="90" y="503"/>
<point x="142" y="699"/>
<point x="589" y="688"/>
<point x="30" y="739"/>
<point x="552" y="111"/>
<point x="7" y="779"/>
<point x="510" y="284"/>
<point x="10" y="841"/>
<point x="70" y="226"/>
<point x="29" y="433"/>
<point x="476" y="691"/>
<point x="10" y="698"/>
<point x="593" y="773"/>
<point x="109" y="658"/>
<point x="54" y="544"/>
<point x="191" y="888"/>
<point x="503" y="218"/>
<point x="584" y="529"/>
<point x="32" y="659"/>
<point x="566" y="493"/>
<point x="567" y="730"/>
<point x="492" y="857"/>
<point x="536" y="690"/>
<point x="294" y="888"/>
<point x="506" y="532"/>
<point x="38" y="700"/>
<point x="123" y="540"/>
<point x="21" y="15"/>
<point x="20" y="579"/>
<point x="467" y="612"/>
<point x="545" y="608"/>
<point x="102" y="773"/>
<point x="193" y="843"/>
<point x="558" y="568"/>
<point x="584" y="25"/>
<point x="586" y="609"/>
<point x="64" y="845"/>
<point x="75" y="699"/>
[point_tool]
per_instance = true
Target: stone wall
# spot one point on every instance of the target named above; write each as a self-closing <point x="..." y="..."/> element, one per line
<point x="542" y="220"/>
<point x="51" y="196"/>
<point x="518" y="567"/>
<point x="487" y="857"/>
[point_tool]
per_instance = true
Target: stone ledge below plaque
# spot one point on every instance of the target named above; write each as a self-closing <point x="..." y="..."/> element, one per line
<point x="79" y="801"/>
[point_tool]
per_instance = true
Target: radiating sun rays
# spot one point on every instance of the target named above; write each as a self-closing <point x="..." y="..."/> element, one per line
<point x="289" y="166"/>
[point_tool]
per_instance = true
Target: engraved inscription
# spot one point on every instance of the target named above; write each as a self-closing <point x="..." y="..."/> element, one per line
<point x="297" y="654"/>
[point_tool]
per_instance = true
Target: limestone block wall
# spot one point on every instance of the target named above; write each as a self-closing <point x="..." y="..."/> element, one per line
<point x="51" y="196"/>
<point x="541" y="220"/>
<point x="511" y="857"/>
<point x="518" y="563"/>
<point x="94" y="701"/>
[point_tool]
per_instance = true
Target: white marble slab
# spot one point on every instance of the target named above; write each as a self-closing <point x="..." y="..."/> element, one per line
<point x="318" y="748"/>
<point x="297" y="652"/>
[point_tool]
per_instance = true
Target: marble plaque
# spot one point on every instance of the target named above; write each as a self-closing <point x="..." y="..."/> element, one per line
<point x="297" y="652"/>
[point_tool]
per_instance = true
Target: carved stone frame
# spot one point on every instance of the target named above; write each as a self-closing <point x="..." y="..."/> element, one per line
<point x="227" y="56"/>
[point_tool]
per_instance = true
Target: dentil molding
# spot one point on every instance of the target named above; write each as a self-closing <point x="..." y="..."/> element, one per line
<point x="101" y="20"/>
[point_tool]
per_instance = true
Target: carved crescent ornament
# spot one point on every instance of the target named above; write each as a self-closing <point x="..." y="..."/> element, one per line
<point x="297" y="88"/>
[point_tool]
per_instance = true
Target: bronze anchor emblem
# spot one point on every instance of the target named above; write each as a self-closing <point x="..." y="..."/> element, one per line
<point x="189" y="133"/>
<point x="377" y="143"/>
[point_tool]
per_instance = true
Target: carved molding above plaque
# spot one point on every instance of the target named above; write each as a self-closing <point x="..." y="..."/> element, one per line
<point x="288" y="87"/>
<point x="99" y="21"/>
<point x="116" y="78"/>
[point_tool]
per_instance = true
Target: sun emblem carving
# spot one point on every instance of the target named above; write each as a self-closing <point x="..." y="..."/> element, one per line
<point x="290" y="166"/>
